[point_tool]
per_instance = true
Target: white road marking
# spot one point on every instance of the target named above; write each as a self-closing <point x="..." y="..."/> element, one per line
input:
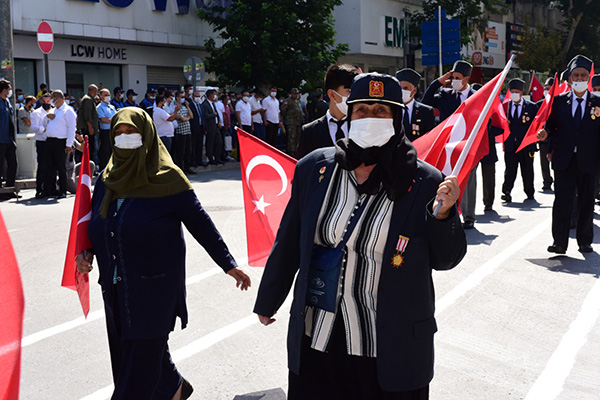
<point x="488" y="268"/>
<point x="552" y="379"/>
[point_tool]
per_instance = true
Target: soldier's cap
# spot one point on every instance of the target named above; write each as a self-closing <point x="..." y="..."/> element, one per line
<point x="549" y="82"/>
<point x="462" y="67"/>
<point x="375" y="87"/>
<point x="517" y="84"/>
<point x="294" y="90"/>
<point x="596" y="80"/>
<point x="580" y="61"/>
<point x="131" y="91"/>
<point x="118" y="89"/>
<point x="476" y="86"/>
<point x="565" y="75"/>
<point x="409" y="75"/>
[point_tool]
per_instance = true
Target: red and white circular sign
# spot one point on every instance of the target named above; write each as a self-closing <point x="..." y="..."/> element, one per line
<point x="45" y="37"/>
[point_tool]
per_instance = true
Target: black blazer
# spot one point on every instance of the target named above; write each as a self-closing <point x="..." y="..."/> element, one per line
<point x="196" y="122"/>
<point x="422" y="121"/>
<point x="405" y="302"/>
<point x="445" y="101"/>
<point x="519" y="126"/>
<point x="209" y="117"/>
<point x="314" y="135"/>
<point x="564" y="134"/>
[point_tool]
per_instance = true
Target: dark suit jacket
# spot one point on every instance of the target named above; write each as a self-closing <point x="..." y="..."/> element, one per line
<point x="519" y="126"/>
<point x="564" y="134"/>
<point x="405" y="303"/>
<point x="314" y="135"/>
<point x="196" y="123"/>
<point x="422" y="121"/>
<point x="445" y="101"/>
<point x="209" y="117"/>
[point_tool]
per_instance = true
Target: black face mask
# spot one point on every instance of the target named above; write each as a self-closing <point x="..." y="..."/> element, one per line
<point x="46" y="106"/>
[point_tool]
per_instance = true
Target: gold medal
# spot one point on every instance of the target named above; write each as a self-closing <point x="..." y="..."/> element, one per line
<point x="593" y="117"/>
<point x="397" y="260"/>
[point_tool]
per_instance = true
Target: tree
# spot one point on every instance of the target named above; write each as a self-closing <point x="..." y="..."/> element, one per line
<point x="582" y="33"/>
<point x="283" y="43"/>
<point x="540" y="50"/>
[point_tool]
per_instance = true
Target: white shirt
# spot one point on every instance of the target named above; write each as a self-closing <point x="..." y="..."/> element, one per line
<point x="464" y="94"/>
<point x="409" y="107"/>
<point x="164" y="128"/>
<point x="254" y="106"/>
<point x="332" y="124"/>
<point x="271" y="104"/>
<point x="245" y="112"/>
<point x="574" y="103"/>
<point x="63" y="125"/>
<point x="39" y="123"/>
<point x="511" y="110"/>
<point x="220" y="110"/>
<point x="170" y="109"/>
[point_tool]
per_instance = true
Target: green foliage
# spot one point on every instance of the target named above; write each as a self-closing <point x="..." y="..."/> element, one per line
<point x="283" y="43"/>
<point x="540" y="51"/>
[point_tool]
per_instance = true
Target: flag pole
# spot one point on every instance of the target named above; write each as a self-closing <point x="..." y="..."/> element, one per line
<point x="463" y="155"/>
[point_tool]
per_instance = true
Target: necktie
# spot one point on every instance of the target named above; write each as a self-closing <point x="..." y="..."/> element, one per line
<point x="577" y="115"/>
<point x="406" y="122"/>
<point x="216" y="112"/>
<point x="516" y="113"/>
<point x="339" y="134"/>
<point x="458" y="98"/>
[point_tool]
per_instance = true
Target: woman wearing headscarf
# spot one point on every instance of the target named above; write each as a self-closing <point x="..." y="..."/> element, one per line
<point x="360" y="234"/>
<point x="138" y="207"/>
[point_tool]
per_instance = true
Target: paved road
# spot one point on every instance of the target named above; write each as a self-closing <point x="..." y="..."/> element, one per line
<point x="514" y="323"/>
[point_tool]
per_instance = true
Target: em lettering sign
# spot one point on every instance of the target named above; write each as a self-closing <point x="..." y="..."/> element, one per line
<point x="394" y="32"/>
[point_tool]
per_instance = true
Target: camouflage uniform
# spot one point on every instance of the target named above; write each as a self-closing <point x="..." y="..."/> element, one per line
<point x="291" y="111"/>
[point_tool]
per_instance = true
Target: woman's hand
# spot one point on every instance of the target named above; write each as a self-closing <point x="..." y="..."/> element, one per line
<point x="242" y="280"/>
<point x="266" y="320"/>
<point x="84" y="263"/>
<point x="447" y="193"/>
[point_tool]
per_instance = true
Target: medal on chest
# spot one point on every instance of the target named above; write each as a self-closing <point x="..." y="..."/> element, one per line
<point x="398" y="258"/>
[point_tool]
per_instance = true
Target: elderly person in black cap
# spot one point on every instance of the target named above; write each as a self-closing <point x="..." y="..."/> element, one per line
<point x="360" y="235"/>
<point x="418" y="119"/>
<point x="520" y="113"/>
<point x="573" y="130"/>
<point x="543" y="146"/>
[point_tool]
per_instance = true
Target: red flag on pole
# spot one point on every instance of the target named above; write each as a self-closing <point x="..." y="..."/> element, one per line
<point x="590" y="81"/>
<point x="78" y="235"/>
<point x="267" y="180"/>
<point x="537" y="90"/>
<point x="540" y="118"/>
<point x="443" y="146"/>
<point x="499" y="120"/>
<point x="12" y="306"/>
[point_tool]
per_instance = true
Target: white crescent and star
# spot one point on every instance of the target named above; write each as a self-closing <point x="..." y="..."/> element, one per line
<point x="260" y="205"/>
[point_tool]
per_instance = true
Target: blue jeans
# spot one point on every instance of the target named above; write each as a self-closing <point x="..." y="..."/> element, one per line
<point x="167" y="141"/>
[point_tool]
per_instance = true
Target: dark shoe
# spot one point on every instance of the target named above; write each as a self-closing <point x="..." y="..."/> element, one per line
<point x="212" y="163"/>
<point x="61" y="196"/>
<point x="204" y="164"/>
<point x="488" y="208"/>
<point x="585" y="248"/>
<point x="186" y="389"/>
<point x="557" y="249"/>
<point x="39" y="195"/>
<point x="469" y="224"/>
<point x="506" y="197"/>
<point x="547" y="187"/>
<point x="189" y="172"/>
<point x="530" y="197"/>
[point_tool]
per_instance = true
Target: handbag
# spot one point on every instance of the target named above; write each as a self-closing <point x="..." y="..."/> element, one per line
<point x="326" y="267"/>
<point x="228" y="143"/>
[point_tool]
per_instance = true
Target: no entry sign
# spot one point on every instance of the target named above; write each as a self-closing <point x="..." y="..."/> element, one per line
<point x="45" y="38"/>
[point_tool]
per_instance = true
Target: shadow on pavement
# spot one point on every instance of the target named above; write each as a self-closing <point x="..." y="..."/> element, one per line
<point x="568" y="265"/>
<point x="272" y="394"/>
<point x="475" y="237"/>
<point x="492" y="216"/>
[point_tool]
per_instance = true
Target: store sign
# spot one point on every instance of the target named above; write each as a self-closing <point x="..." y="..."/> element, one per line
<point x="487" y="47"/>
<point x="394" y="31"/>
<point x="179" y="6"/>
<point x="98" y="52"/>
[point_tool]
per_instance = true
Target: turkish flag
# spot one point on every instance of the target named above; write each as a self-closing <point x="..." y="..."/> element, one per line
<point x="267" y="184"/>
<point x="590" y="81"/>
<point x="78" y="235"/>
<point x="499" y="119"/>
<point x="442" y="146"/>
<point x="12" y="305"/>
<point x="540" y="118"/>
<point x="563" y="88"/>
<point x="537" y="90"/>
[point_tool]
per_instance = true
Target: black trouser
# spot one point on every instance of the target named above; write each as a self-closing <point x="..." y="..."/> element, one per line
<point x="182" y="151"/>
<point x="271" y="133"/>
<point x="91" y="143"/>
<point x="56" y="159"/>
<point x="335" y="375"/>
<point x="488" y="178"/>
<point x="105" y="150"/>
<point x="221" y="150"/>
<point x="8" y="152"/>
<point x="197" y="147"/>
<point x="565" y="184"/>
<point x="545" y="164"/>
<point x="40" y="149"/>
<point x="142" y="368"/>
<point x="213" y="145"/>
<point x="513" y="161"/>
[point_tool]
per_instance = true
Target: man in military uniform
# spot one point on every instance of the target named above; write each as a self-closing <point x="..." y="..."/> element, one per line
<point x="520" y="114"/>
<point x="291" y="112"/>
<point x="573" y="129"/>
<point x="418" y="119"/>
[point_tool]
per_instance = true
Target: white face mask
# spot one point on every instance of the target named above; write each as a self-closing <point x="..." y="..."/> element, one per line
<point x="106" y="99"/>
<point x="579" y="86"/>
<point x="9" y="95"/>
<point x="516" y="97"/>
<point x="128" y="141"/>
<point x="342" y="106"/>
<point x="457" y="84"/>
<point x="406" y="96"/>
<point x="273" y="94"/>
<point x="371" y="132"/>
<point x="245" y="98"/>
<point x="546" y="93"/>
<point x="197" y="99"/>
<point x="152" y="97"/>
<point x="596" y="92"/>
<point x="134" y="98"/>
<point x="182" y="100"/>
<point x="190" y="92"/>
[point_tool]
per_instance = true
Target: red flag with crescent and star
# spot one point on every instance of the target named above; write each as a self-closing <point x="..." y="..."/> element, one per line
<point x="79" y="240"/>
<point x="537" y="90"/>
<point x="267" y="185"/>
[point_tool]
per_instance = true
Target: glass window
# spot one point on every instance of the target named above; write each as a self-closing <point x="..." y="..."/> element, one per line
<point x="81" y="75"/>
<point x="25" y="77"/>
